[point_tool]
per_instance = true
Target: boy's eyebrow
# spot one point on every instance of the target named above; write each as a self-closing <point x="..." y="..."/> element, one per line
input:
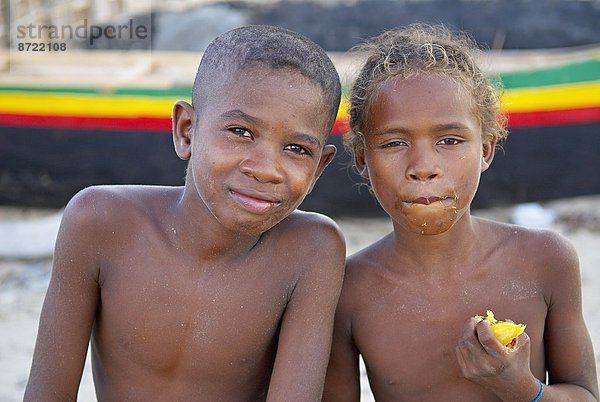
<point x="236" y="113"/>
<point x="308" y="138"/>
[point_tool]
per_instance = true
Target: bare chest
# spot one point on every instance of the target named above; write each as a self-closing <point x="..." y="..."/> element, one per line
<point x="198" y="324"/>
<point x="408" y="331"/>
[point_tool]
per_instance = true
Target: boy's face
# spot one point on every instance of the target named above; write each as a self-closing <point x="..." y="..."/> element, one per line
<point x="257" y="146"/>
<point x="424" y="152"/>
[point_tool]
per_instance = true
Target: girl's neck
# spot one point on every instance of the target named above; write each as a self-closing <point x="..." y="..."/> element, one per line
<point x="430" y="252"/>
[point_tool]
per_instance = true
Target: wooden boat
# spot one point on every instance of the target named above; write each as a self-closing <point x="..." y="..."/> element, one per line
<point x="68" y="121"/>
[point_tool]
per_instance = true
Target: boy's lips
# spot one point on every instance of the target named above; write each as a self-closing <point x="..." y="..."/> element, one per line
<point x="254" y="201"/>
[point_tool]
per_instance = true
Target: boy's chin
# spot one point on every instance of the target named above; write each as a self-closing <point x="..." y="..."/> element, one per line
<point x="253" y="226"/>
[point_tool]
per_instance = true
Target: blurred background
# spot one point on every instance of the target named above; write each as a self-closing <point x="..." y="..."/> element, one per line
<point x="87" y="87"/>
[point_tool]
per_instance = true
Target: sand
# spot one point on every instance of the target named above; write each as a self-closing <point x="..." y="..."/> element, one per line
<point x="26" y="238"/>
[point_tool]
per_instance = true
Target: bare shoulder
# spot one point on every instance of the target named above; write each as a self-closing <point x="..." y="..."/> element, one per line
<point x="543" y="248"/>
<point x="365" y="270"/>
<point x="366" y="264"/>
<point x="309" y="245"/>
<point x="310" y="229"/>
<point x="89" y="207"/>
<point x="113" y="197"/>
<point x="100" y="208"/>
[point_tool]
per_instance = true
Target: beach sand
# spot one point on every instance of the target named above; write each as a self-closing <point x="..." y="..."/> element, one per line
<point x="23" y="279"/>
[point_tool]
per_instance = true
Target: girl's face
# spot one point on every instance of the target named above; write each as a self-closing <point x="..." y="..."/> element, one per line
<point x="424" y="152"/>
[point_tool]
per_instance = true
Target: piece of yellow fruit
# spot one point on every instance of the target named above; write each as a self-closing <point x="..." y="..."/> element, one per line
<point x="505" y="331"/>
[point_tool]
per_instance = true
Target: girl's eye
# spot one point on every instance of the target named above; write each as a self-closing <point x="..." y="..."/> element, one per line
<point x="241" y="132"/>
<point x="450" y="141"/>
<point x="297" y="149"/>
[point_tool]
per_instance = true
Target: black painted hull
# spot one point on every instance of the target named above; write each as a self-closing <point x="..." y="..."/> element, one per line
<point x="46" y="167"/>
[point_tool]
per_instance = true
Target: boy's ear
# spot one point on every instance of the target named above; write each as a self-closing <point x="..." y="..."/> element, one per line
<point x="489" y="149"/>
<point x="184" y="119"/>
<point x="327" y="155"/>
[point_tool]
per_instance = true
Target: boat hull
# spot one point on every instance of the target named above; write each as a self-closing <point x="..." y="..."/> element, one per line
<point x="66" y="125"/>
<point x="46" y="167"/>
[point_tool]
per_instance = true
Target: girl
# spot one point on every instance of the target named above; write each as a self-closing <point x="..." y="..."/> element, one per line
<point x="425" y="122"/>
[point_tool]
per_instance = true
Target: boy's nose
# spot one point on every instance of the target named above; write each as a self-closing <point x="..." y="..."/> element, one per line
<point x="423" y="165"/>
<point x="264" y="165"/>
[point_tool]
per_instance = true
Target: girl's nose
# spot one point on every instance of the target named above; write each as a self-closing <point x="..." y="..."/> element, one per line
<point x="423" y="164"/>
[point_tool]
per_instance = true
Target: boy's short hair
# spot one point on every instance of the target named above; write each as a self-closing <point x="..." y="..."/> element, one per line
<point x="273" y="47"/>
<point x="422" y="48"/>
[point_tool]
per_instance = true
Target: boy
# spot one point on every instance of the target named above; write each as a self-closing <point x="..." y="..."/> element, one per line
<point x="218" y="290"/>
<point x="425" y="124"/>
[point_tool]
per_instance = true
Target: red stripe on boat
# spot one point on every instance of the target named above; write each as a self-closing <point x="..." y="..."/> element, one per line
<point x="85" y="122"/>
<point x="554" y="117"/>
<point x="340" y="127"/>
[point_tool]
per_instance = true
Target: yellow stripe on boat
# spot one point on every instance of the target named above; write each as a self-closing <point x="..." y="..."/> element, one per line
<point x="343" y="110"/>
<point x="92" y="105"/>
<point x="558" y="97"/>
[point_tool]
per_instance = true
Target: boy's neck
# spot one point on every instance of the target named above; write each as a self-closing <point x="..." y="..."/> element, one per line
<point x="199" y="234"/>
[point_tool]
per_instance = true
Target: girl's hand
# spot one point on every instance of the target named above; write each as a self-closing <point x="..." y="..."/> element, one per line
<point x="499" y="369"/>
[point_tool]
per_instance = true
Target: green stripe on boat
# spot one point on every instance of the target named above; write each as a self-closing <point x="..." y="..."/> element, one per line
<point x="179" y="92"/>
<point x="571" y="73"/>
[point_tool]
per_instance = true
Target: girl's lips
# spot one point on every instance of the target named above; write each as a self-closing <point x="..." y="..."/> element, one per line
<point x="254" y="202"/>
<point x="426" y="200"/>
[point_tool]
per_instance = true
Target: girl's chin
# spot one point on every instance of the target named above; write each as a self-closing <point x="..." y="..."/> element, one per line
<point x="432" y="228"/>
<point x="429" y="219"/>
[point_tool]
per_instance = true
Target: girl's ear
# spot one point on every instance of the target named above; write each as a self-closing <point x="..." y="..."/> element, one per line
<point x="184" y="119"/>
<point x="489" y="149"/>
<point x="361" y="164"/>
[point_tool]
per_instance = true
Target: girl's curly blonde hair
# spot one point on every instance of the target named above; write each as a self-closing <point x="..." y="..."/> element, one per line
<point x="420" y="48"/>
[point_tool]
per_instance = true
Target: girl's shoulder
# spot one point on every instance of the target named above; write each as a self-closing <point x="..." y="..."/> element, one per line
<point x="540" y="246"/>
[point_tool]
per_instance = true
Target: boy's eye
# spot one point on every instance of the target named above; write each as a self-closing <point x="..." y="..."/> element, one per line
<point x="241" y="132"/>
<point x="450" y="141"/>
<point x="394" y="143"/>
<point x="297" y="149"/>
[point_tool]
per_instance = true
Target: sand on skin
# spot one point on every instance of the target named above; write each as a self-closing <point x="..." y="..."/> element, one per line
<point x="23" y="284"/>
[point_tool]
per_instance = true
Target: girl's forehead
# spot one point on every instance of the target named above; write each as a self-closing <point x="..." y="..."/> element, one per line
<point x="423" y="81"/>
<point x="420" y="89"/>
<point x="430" y="99"/>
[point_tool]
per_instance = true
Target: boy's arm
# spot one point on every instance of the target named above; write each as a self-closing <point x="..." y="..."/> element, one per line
<point x="342" y="382"/>
<point x="307" y="323"/>
<point x="568" y="348"/>
<point x="68" y="312"/>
